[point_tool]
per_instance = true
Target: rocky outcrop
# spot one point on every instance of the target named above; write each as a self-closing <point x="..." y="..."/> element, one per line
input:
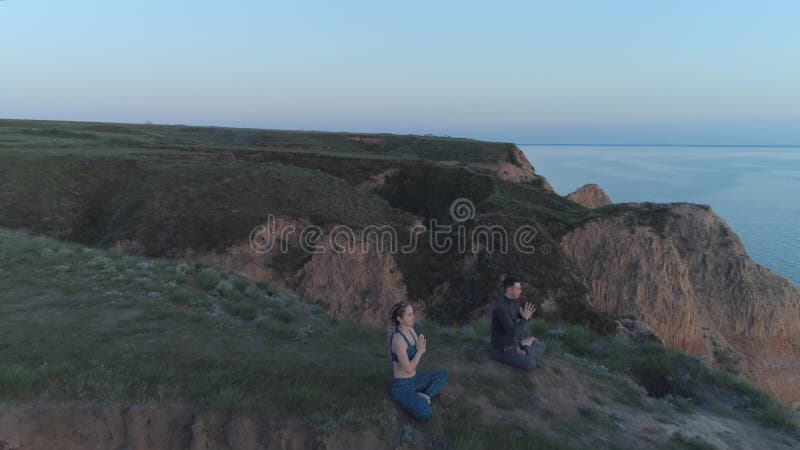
<point x="359" y="285"/>
<point x="636" y="330"/>
<point x="590" y="196"/>
<point x="681" y="270"/>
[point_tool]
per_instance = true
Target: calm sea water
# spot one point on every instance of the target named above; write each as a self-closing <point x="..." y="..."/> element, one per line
<point x="756" y="190"/>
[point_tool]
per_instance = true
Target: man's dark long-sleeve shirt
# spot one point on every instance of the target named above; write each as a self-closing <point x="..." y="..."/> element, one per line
<point x="506" y="320"/>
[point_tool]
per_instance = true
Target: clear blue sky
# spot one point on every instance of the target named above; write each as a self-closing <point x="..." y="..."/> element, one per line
<point x="527" y="72"/>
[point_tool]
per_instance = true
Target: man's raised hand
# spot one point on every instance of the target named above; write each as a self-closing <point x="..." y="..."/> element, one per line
<point x="527" y="311"/>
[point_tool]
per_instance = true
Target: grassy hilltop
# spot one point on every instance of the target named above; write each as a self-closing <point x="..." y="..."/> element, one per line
<point x="84" y="322"/>
<point x="178" y="190"/>
<point x="89" y="324"/>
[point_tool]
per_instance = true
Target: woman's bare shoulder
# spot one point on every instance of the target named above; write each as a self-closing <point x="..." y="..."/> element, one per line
<point x="398" y="340"/>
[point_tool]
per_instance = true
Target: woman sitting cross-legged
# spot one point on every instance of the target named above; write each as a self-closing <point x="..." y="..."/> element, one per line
<point x="411" y="391"/>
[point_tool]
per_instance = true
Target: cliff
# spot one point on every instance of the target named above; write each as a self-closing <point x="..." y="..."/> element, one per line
<point x="515" y="168"/>
<point x="198" y="193"/>
<point x="687" y="276"/>
<point x="590" y="196"/>
<point x="155" y="426"/>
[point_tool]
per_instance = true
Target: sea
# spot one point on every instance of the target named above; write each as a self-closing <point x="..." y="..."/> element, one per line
<point x="756" y="190"/>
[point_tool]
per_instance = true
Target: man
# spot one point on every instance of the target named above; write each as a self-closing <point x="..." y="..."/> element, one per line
<point x="508" y="317"/>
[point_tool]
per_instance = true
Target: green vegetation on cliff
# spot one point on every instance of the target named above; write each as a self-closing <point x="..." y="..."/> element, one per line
<point x="175" y="190"/>
<point x="101" y="138"/>
<point x="88" y="323"/>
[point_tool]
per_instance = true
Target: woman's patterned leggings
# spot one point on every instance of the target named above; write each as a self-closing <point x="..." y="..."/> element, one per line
<point x="404" y="392"/>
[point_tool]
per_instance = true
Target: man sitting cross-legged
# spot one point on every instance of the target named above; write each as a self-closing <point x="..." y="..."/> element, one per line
<point x="508" y="317"/>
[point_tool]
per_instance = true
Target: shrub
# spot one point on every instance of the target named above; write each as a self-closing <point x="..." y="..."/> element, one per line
<point x="284" y="315"/>
<point x="778" y="415"/>
<point x="679" y="441"/>
<point x="578" y="339"/>
<point x="241" y="284"/>
<point x="244" y="309"/>
<point x="681" y="404"/>
<point x="661" y="371"/>
<point x="207" y="280"/>
<point x="178" y="295"/>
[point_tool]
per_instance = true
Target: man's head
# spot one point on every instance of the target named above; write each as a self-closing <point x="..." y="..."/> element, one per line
<point x="512" y="288"/>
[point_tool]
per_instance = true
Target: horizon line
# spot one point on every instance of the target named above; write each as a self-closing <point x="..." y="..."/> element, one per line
<point x="415" y="134"/>
<point x="662" y="145"/>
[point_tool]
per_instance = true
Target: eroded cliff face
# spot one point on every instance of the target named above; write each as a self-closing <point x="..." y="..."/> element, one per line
<point x="633" y="271"/>
<point x="351" y="279"/>
<point x="590" y="196"/>
<point x="273" y="252"/>
<point x="687" y="275"/>
<point x="361" y="285"/>
<point x="518" y="170"/>
<point x="105" y="425"/>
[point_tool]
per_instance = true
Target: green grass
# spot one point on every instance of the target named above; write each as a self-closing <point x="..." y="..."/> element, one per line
<point x="121" y="340"/>
<point x="173" y="206"/>
<point x="131" y="332"/>
<point x="82" y="323"/>
<point x="99" y="138"/>
<point x="457" y="426"/>
<point x="681" y="404"/>
<point x="679" y="441"/>
<point x="683" y="380"/>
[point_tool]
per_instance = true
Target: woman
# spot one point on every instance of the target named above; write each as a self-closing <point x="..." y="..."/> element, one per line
<point x="411" y="391"/>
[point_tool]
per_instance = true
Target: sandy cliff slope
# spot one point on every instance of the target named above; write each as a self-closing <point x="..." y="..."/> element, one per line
<point x="687" y="276"/>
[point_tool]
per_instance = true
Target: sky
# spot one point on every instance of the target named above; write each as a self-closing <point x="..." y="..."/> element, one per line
<point x="579" y="72"/>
